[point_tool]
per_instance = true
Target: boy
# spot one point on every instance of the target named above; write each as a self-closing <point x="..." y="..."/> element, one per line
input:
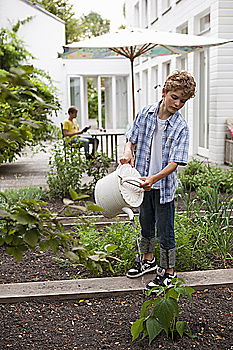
<point x="71" y="129"/>
<point x="162" y="138"/>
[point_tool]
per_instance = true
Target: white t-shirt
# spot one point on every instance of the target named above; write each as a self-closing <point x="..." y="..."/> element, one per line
<point x="156" y="151"/>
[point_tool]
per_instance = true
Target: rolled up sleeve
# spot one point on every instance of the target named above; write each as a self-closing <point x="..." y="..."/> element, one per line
<point x="179" y="148"/>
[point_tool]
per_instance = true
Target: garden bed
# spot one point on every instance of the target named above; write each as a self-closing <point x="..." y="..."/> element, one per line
<point x="96" y="324"/>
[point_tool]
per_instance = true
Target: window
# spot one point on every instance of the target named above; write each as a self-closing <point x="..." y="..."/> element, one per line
<point x="165" y="6"/>
<point x="184" y="30"/>
<point x="203" y="122"/>
<point x="121" y="102"/>
<point x="166" y="69"/>
<point x="138" y="91"/>
<point x="145" y="87"/>
<point x="204" y="23"/>
<point x="144" y="13"/>
<point x="154" y="10"/>
<point x="136" y="15"/>
<point x="154" y="84"/>
<point x="75" y="99"/>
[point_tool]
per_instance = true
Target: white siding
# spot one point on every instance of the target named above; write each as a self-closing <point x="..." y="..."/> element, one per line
<point x="220" y="102"/>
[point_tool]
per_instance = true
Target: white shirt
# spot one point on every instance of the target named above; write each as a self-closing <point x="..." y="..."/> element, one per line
<point x="156" y="151"/>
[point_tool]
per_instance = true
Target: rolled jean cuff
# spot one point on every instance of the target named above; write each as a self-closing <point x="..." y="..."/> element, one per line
<point x="147" y="245"/>
<point x="167" y="258"/>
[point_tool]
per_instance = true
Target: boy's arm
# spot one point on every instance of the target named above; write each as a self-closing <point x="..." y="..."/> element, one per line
<point x="128" y="154"/>
<point x="150" y="180"/>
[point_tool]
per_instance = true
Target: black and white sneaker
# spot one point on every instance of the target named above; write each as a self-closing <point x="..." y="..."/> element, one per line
<point x="162" y="279"/>
<point x="141" y="268"/>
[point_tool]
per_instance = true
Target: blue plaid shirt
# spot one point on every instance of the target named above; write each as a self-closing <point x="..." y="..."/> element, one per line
<point x="175" y="144"/>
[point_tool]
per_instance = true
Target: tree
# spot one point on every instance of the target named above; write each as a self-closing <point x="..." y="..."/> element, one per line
<point x="63" y="10"/>
<point x="76" y="28"/>
<point x="26" y="98"/>
<point x="90" y="25"/>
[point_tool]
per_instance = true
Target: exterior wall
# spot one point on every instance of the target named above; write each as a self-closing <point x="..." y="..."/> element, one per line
<point x="44" y="36"/>
<point x="220" y="77"/>
<point x="92" y="68"/>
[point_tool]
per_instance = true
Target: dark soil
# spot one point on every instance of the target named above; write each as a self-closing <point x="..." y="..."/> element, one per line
<point x="99" y="323"/>
<point x="105" y="324"/>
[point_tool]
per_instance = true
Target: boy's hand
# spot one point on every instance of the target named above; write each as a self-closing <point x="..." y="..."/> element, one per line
<point x="148" y="182"/>
<point x="127" y="158"/>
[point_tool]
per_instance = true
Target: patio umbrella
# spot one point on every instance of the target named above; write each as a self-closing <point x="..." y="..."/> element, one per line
<point x="134" y="42"/>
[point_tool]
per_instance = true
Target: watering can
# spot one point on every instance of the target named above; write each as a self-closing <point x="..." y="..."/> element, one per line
<point x="119" y="191"/>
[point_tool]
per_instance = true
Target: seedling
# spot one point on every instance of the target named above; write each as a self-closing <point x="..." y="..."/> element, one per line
<point x="160" y="313"/>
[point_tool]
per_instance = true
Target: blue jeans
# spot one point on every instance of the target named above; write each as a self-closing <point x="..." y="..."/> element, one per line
<point x="158" y="220"/>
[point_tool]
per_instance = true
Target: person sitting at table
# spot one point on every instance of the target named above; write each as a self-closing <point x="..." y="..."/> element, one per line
<point x="71" y="129"/>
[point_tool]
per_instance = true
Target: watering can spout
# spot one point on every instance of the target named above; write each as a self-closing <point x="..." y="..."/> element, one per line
<point x="129" y="212"/>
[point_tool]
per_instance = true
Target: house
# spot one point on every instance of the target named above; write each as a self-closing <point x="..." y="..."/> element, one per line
<point x="213" y="68"/>
<point x="206" y="114"/>
<point x="44" y="37"/>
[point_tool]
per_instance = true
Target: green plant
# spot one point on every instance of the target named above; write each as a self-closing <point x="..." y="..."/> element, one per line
<point x="30" y="192"/>
<point x="96" y="168"/>
<point x="197" y="174"/>
<point x="64" y="263"/>
<point x="68" y="171"/>
<point x="161" y="314"/>
<point x="121" y="235"/>
<point x="27" y="97"/>
<point x="25" y="225"/>
<point x="204" y="232"/>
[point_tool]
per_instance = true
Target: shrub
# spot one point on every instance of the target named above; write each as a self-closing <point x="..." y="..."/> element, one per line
<point x="69" y="171"/>
<point x="197" y="174"/>
<point x="15" y="195"/>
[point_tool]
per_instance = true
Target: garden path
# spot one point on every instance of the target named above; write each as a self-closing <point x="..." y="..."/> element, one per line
<point x="30" y="169"/>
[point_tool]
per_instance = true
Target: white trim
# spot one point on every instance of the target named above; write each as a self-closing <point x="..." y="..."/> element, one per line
<point x="99" y="101"/>
<point x="113" y="97"/>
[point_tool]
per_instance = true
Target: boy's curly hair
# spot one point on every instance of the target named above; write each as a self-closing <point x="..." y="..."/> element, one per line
<point x="181" y="80"/>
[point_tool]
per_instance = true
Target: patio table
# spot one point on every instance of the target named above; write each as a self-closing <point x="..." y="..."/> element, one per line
<point x="109" y="141"/>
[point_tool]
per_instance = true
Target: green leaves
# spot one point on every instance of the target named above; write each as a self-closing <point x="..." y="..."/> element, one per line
<point x="153" y="327"/>
<point x="31" y="237"/>
<point x="166" y="310"/>
<point x="161" y="314"/>
<point x="137" y="328"/>
<point x="27" y="98"/>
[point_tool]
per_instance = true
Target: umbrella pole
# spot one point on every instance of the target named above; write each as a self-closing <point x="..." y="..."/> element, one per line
<point x="132" y="81"/>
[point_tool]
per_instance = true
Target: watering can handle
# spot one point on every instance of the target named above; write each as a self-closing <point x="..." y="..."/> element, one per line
<point x="132" y="181"/>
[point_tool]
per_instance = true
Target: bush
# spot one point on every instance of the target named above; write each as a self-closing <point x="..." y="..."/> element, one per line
<point x="68" y="171"/>
<point x="16" y="195"/>
<point x="197" y="174"/>
<point x="121" y="235"/>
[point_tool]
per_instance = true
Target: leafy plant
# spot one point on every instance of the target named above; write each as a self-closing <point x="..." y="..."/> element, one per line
<point x="15" y="195"/>
<point x="68" y="171"/>
<point x="197" y="174"/>
<point x="96" y="168"/>
<point x="204" y="232"/>
<point x="161" y="313"/>
<point x="65" y="171"/>
<point x="27" y="97"/>
<point x="26" y="224"/>
<point x="120" y="235"/>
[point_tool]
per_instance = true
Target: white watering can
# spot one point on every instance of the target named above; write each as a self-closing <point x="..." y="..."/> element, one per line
<point x="119" y="191"/>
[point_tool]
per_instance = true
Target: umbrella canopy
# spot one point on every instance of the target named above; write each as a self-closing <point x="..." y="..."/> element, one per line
<point x="134" y="42"/>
